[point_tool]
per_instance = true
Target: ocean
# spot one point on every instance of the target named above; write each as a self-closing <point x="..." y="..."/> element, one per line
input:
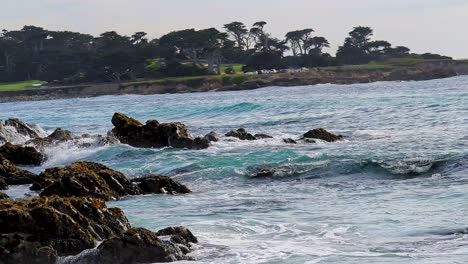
<point x="395" y="190"/>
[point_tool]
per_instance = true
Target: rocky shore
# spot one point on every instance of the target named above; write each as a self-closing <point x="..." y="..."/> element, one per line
<point x="418" y="72"/>
<point x="69" y="222"/>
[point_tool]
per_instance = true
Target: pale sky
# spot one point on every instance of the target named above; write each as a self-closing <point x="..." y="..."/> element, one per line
<point x="439" y="26"/>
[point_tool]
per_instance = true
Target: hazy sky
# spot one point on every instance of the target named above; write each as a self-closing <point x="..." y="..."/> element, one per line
<point x="439" y="26"/>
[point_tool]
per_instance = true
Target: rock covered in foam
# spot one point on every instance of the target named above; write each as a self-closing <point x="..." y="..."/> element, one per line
<point x="41" y="229"/>
<point x="212" y="137"/>
<point x="322" y="134"/>
<point x="84" y="179"/>
<point x="154" y="134"/>
<point x="160" y="184"/>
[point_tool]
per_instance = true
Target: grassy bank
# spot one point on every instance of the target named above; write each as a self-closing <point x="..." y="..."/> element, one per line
<point x="19" y="85"/>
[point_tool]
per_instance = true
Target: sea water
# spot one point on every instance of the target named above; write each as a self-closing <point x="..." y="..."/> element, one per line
<point x="395" y="190"/>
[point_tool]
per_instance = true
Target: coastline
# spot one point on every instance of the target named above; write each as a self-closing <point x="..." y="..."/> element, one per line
<point x="418" y="72"/>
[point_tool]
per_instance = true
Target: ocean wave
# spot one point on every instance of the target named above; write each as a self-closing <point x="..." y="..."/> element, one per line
<point x="231" y="109"/>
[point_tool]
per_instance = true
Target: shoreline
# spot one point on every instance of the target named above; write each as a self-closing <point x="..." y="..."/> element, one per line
<point x="418" y="72"/>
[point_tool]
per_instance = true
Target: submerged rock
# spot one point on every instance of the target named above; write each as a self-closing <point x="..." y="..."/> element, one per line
<point x="154" y="134"/>
<point x="160" y="184"/>
<point x="322" y="134"/>
<point x="262" y="136"/>
<point x="241" y="134"/>
<point x="12" y="175"/>
<point x="212" y="137"/>
<point x="21" y="155"/>
<point x="179" y="235"/>
<point x="84" y="179"/>
<point x="41" y="229"/>
<point x="289" y="141"/>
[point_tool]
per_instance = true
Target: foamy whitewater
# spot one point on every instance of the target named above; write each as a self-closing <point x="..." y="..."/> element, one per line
<point x="395" y="191"/>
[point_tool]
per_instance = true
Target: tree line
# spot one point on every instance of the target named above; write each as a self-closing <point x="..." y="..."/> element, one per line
<point x="71" y="57"/>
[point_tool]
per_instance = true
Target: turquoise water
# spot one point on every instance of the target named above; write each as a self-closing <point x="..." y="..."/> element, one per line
<point x="395" y="191"/>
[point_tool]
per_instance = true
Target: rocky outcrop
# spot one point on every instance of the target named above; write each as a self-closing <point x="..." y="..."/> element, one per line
<point x="241" y="134"/>
<point x="3" y="196"/>
<point x="84" y="179"/>
<point x="160" y="184"/>
<point x="12" y="175"/>
<point x="154" y="134"/>
<point x="22" y="128"/>
<point x="139" y="245"/>
<point x="3" y="184"/>
<point x="21" y="155"/>
<point x="212" y="137"/>
<point x="61" y="135"/>
<point x="41" y="229"/>
<point x="322" y="134"/>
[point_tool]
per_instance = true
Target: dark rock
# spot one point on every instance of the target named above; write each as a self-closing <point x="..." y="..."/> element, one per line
<point x="84" y="179"/>
<point x="160" y="184"/>
<point x="12" y="175"/>
<point x="309" y="141"/>
<point x="22" y="128"/>
<point x="3" y="184"/>
<point x="41" y="229"/>
<point x="21" y="155"/>
<point x="262" y="136"/>
<point x="138" y="245"/>
<point x="241" y="134"/>
<point x="154" y="134"/>
<point x="212" y="137"/>
<point x="3" y="196"/>
<point x="179" y="235"/>
<point x="289" y="141"/>
<point x="61" y="135"/>
<point x="322" y="134"/>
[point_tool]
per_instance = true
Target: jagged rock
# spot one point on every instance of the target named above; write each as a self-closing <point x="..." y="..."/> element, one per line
<point x="138" y="245"/>
<point x="21" y="155"/>
<point x="262" y="136"/>
<point x="289" y="141"/>
<point x="41" y="229"/>
<point x="84" y="179"/>
<point x="22" y="128"/>
<point x="3" y="196"/>
<point x="241" y="134"/>
<point x="212" y="137"/>
<point x="322" y="134"/>
<point x="179" y="235"/>
<point x="154" y="134"/>
<point x="61" y="135"/>
<point x="160" y="184"/>
<point x="12" y="175"/>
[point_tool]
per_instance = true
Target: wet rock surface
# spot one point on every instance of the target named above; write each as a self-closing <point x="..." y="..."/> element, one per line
<point x="322" y="134"/>
<point x="212" y="137"/>
<point x="22" y="127"/>
<point x="160" y="184"/>
<point x="154" y="134"/>
<point x="289" y="141"/>
<point x="41" y="229"/>
<point x="3" y="196"/>
<point x="21" y="155"/>
<point x="12" y="175"/>
<point x="84" y="179"/>
<point x="241" y="134"/>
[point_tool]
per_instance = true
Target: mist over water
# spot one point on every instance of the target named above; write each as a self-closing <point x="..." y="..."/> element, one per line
<point x="394" y="191"/>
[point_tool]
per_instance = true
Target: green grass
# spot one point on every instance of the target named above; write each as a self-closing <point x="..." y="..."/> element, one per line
<point x="19" y="85"/>
<point x="236" y="67"/>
